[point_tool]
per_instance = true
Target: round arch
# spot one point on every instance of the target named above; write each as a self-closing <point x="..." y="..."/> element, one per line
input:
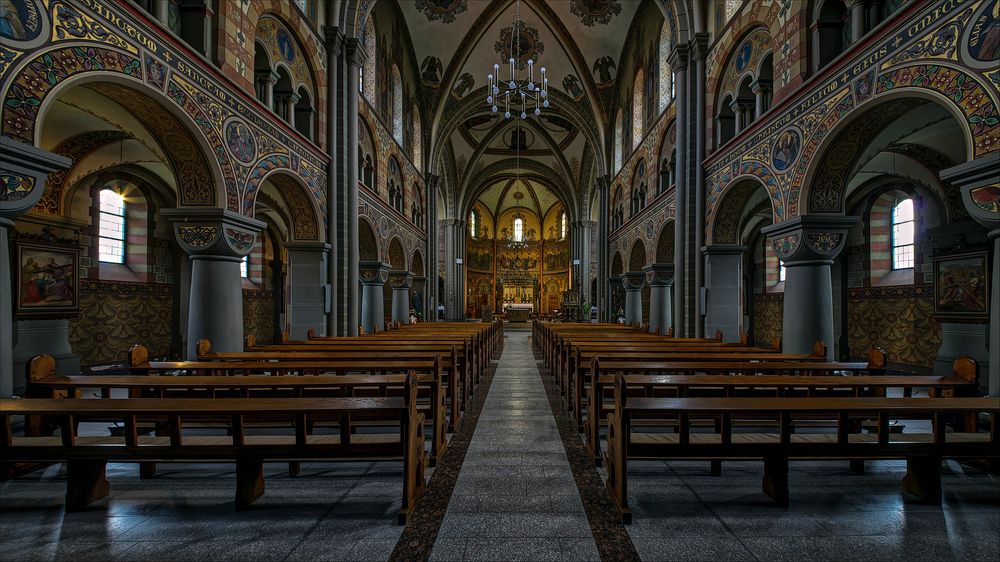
<point x="305" y="213"/>
<point x="24" y="122"/>
<point x="617" y="267"/>
<point x="665" y="243"/>
<point x="637" y="256"/>
<point x="723" y="228"/>
<point x="417" y="264"/>
<point x="368" y="247"/>
<point x="396" y="255"/>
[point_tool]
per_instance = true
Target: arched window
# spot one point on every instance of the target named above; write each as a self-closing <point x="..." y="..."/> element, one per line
<point x="397" y="106"/>
<point x="418" y="139"/>
<point x="394" y="186"/>
<point x="474" y="224"/>
<point x="666" y="76"/>
<point x="618" y="141"/>
<point x="831" y="31"/>
<point x="781" y="271"/>
<point x="638" y="130"/>
<point x="563" y="226"/>
<point x="903" y="223"/>
<point x="366" y="83"/>
<point x="245" y="267"/>
<point x="518" y="229"/>
<point x="111" y="246"/>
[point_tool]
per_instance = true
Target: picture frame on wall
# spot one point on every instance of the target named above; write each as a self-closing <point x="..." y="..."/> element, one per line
<point x="47" y="280"/>
<point x="962" y="286"/>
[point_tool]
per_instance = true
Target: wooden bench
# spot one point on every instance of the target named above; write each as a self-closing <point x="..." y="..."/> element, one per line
<point x="86" y="457"/>
<point x="752" y="386"/>
<point x="44" y="383"/>
<point x="923" y="452"/>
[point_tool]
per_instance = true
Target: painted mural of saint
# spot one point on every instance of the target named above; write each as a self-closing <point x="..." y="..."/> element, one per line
<point x="11" y="24"/>
<point x="986" y="43"/>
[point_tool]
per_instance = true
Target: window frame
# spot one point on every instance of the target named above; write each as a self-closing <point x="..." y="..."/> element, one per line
<point x="912" y="245"/>
<point x="123" y="241"/>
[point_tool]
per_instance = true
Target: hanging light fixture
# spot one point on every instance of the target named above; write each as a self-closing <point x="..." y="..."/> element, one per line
<point x="517" y="94"/>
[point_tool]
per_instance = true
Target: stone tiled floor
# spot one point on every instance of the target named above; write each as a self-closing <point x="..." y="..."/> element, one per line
<point x="515" y="498"/>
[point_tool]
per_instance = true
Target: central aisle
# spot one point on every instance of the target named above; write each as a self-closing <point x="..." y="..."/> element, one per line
<point x="515" y="497"/>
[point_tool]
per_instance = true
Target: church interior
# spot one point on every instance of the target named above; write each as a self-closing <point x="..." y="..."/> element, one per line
<point x="500" y="279"/>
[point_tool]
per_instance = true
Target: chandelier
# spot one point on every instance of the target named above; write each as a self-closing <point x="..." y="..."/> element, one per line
<point x="516" y="92"/>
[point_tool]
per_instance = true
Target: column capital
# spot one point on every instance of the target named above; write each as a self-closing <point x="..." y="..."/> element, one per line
<point x="373" y="272"/>
<point x="454" y="223"/>
<point x="723" y="249"/>
<point x="614" y="282"/>
<point x="210" y="231"/>
<point x="24" y="171"/>
<point x="678" y="58"/>
<point x="699" y="46"/>
<point x="633" y="280"/>
<point x="272" y="77"/>
<point x="760" y="85"/>
<point x="431" y="180"/>
<point x="659" y="274"/>
<point x="355" y="52"/>
<point x="851" y="4"/>
<point x="400" y="279"/>
<point x="979" y="182"/>
<point x="334" y="39"/>
<point x="809" y="239"/>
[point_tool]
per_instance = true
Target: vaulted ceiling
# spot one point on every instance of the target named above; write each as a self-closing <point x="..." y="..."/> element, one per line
<point x="560" y="153"/>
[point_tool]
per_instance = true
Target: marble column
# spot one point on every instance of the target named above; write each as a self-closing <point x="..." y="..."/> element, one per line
<point x="216" y="241"/>
<point x="661" y="282"/>
<point x="760" y="88"/>
<point x="808" y="245"/>
<point x="682" y="296"/>
<point x="699" y="52"/>
<point x="738" y="123"/>
<point x="633" y="282"/>
<point x="723" y="279"/>
<point x="355" y="55"/>
<point x="334" y="42"/>
<point x="454" y="270"/>
<point x="858" y="27"/>
<point x="373" y="277"/>
<point x="271" y="80"/>
<point x="401" y="281"/>
<point x="431" y="296"/>
<point x="580" y="263"/>
<point x="307" y="270"/>
<point x="293" y="100"/>
<point x="979" y="181"/>
<point x="25" y="169"/>
<point x="162" y="11"/>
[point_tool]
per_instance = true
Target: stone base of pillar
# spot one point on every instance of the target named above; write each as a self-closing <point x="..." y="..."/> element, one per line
<point x="50" y="337"/>
<point x="958" y="340"/>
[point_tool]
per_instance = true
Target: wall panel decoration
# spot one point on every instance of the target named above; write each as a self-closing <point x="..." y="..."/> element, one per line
<point x="116" y="315"/>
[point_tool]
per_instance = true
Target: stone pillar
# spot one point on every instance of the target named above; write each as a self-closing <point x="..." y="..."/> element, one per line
<point x="162" y="11"/>
<point x="348" y="251"/>
<point x="979" y="181"/>
<point x="334" y="41"/>
<point x="738" y="123"/>
<point x="699" y="52"/>
<point x="25" y="169"/>
<point x="431" y="296"/>
<point x="661" y="282"/>
<point x="420" y="288"/>
<point x="614" y="287"/>
<point x="307" y="270"/>
<point x="633" y="282"/>
<point x="293" y="100"/>
<point x="373" y="277"/>
<point x="216" y="241"/>
<point x="270" y="80"/>
<point x="761" y="89"/>
<point x="454" y="270"/>
<point x="401" y="281"/>
<point x="808" y="246"/>
<point x="723" y="279"/>
<point x="858" y="27"/>
<point x="679" y="62"/>
<point x="604" y="312"/>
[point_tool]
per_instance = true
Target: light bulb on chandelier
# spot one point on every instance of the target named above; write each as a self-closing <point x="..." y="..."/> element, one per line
<point x="518" y="92"/>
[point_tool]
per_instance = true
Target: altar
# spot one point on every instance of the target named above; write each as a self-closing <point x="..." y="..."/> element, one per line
<point x="519" y="312"/>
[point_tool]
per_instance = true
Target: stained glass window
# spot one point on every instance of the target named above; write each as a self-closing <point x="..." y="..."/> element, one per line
<point x="244" y="267"/>
<point x="367" y="81"/>
<point x="397" y="106"/>
<point x="111" y="246"/>
<point x="781" y="271"/>
<point x="518" y="229"/>
<point x="666" y="76"/>
<point x="903" y="224"/>
<point x="562" y="226"/>
<point x="638" y="130"/>
<point x="618" y="141"/>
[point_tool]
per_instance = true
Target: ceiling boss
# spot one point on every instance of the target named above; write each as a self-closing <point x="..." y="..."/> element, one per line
<point x="518" y="94"/>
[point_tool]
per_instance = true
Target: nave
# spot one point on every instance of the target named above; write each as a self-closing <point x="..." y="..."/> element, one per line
<point x="516" y="481"/>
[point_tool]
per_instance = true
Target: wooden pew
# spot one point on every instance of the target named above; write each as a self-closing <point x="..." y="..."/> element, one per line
<point x="44" y="383"/>
<point x="923" y="452"/>
<point x="86" y="457"/>
<point x="339" y="368"/>
<point x="450" y="362"/>
<point x="458" y="389"/>
<point x="751" y="385"/>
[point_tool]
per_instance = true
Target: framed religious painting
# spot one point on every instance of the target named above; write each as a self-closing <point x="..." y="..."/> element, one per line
<point x="47" y="281"/>
<point x="962" y="286"/>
